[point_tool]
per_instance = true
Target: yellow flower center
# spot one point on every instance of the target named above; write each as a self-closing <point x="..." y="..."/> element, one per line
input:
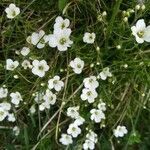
<point x="73" y="129"/>
<point x="78" y="65"/>
<point x="13" y="13"/>
<point x="140" y="34"/>
<point x="89" y="93"/>
<point x="63" y="25"/>
<point x="62" y="41"/>
<point x="41" y="67"/>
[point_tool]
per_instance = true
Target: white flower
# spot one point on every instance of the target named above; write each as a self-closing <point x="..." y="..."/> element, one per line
<point x="141" y="32"/>
<point x="25" y="51"/>
<point x="102" y="106"/>
<point x="97" y="115"/>
<point x="5" y="105"/>
<point x="77" y="64"/>
<point x="32" y="109"/>
<point x="49" y="97"/>
<point x="16" y="130"/>
<point x="55" y="83"/>
<point x="61" y="23"/>
<point x="26" y="64"/>
<point x="73" y="112"/>
<point x="66" y="139"/>
<point x="88" y="145"/>
<point x="39" y="68"/>
<point x="16" y="98"/>
<point x="74" y="130"/>
<point x="105" y="73"/>
<point x="91" y="82"/>
<point x="120" y="131"/>
<point x="39" y="39"/>
<point x="45" y="100"/>
<point x="3" y="92"/>
<point x="11" y="65"/>
<point x="89" y="95"/>
<point x="92" y="136"/>
<point x="60" y="39"/>
<point x="3" y="113"/>
<point x="11" y="117"/>
<point x="89" y="38"/>
<point x="38" y="97"/>
<point x="79" y="121"/>
<point x="44" y="105"/>
<point x="12" y="11"/>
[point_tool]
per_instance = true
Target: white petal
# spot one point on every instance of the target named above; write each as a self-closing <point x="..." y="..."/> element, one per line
<point x="34" y="38"/>
<point x="103" y="76"/>
<point x="139" y="40"/>
<point x="140" y="25"/>
<point x="59" y="19"/>
<point x="52" y="40"/>
<point x="147" y="34"/>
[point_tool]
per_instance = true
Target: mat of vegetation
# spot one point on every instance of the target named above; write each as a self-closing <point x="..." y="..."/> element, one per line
<point x="75" y="74"/>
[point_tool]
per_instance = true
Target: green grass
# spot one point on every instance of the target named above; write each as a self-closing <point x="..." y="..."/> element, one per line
<point x="125" y="103"/>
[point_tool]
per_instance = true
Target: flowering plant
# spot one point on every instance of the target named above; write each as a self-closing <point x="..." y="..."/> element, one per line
<point x="75" y="75"/>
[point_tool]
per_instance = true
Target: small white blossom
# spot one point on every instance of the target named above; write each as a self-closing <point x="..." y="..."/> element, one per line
<point x="89" y="95"/>
<point x="38" y="97"/>
<point x="73" y="112"/>
<point x="61" y="23"/>
<point x="3" y="92"/>
<point x="11" y="117"/>
<point x="79" y="121"/>
<point x="141" y="32"/>
<point x="92" y="136"/>
<point x="60" y="39"/>
<point x="91" y="82"/>
<point x="25" y="51"/>
<point x="16" y="130"/>
<point x="49" y="97"/>
<point x="45" y="100"/>
<point x="89" y="38"/>
<point x="44" y="105"/>
<point x="73" y="130"/>
<point x="11" y="65"/>
<point x="6" y="106"/>
<point x="12" y="11"/>
<point x="39" y="39"/>
<point x="88" y="145"/>
<point x="32" y="109"/>
<point x="55" y="83"/>
<point x="39" y="68"/>
<point x="26" y="64"/>
<point x="16" y="98"/>
<point x="102" y="106"/>
<point x="105" y="73"/>
<point x="120" y="131"/>
<point x="97" y="115"/>
<point x="66" y="139"/>
<point x="77" y="64"/>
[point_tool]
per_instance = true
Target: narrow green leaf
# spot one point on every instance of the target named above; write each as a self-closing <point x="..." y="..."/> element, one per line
<point x="26" y="138"/>
<point x="62" y="4"/>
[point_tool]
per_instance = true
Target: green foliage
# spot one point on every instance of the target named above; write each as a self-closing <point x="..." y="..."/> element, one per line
<point x="62" y="4"/>
<point x="126" y="94"/>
